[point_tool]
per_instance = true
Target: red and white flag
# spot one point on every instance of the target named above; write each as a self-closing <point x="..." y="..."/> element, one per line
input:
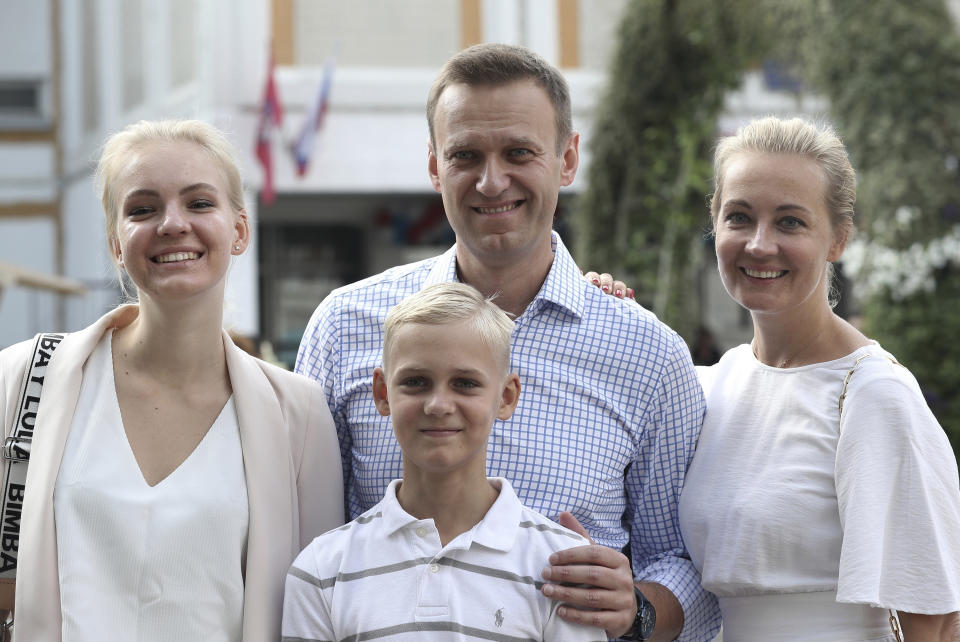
<point x="271" y="116"/>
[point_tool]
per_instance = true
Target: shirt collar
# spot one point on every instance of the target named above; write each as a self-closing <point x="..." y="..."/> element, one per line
<point x="394" y="517"/>
<point x="497" y="530"/>
<point x="444" y="269"/>
<point x="563" y="285"/>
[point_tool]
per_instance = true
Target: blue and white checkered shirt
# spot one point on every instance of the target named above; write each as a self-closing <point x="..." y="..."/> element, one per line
<point x="609" y="413"/>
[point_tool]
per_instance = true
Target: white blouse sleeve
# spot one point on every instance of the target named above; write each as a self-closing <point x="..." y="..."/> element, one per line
<point x="899" y="496"/>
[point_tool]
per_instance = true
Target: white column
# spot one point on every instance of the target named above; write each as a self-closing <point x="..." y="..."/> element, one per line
<point x="540" y="28"/>
<point x="502" y="21"/>
<point x="109" y="57"/>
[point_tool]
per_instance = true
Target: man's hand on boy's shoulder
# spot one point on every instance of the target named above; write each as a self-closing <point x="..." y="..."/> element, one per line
<point x="608" y="600"/>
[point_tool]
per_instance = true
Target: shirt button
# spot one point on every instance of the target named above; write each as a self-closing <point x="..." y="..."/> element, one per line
<point x="422" y="532"/>
<point x="434" y="568"/>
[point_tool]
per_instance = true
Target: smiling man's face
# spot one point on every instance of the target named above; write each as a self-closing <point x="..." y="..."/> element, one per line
<point x="496" y="164"/>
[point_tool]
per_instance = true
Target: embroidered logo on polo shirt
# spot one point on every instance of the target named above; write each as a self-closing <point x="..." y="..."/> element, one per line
<point x="498" y="617"/>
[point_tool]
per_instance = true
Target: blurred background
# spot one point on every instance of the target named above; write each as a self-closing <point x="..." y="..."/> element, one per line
<point x="325" y="102"/>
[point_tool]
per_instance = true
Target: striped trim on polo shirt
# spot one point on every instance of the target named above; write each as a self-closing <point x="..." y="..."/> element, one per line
<point x="399" y="566"/>
<point x="420" y="561"/>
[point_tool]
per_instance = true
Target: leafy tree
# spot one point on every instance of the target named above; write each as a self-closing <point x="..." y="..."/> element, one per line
<point x="891" y="71"/>
<point x="643" y="215"/>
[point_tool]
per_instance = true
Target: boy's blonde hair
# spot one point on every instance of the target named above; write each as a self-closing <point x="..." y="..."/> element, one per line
<point x="444" y="303"/>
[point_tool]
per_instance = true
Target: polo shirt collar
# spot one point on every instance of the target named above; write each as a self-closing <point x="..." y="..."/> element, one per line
<point x="394" y="517"/>
<point x="497" y="531"/>
<point x="563" y="286"/>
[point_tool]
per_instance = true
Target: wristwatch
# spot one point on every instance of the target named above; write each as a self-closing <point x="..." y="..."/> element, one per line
<point x="645" y="620"/>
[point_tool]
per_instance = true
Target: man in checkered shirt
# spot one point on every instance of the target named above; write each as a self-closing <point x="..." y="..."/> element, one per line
<point x="612" y="407"/>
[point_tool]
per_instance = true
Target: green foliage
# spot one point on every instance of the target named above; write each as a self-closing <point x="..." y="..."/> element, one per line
<point x="891" y="71"/>
<point x="643" y="211"/>
<point x="923" y="333"/>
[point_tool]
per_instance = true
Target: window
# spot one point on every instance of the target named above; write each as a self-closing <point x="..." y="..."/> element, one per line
<point x="23" y="104"/>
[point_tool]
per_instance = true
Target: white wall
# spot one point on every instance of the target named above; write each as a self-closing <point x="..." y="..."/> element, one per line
<point x="198" y="59"/>
<point x="24" y="38"/>
<point x="599" y="20"/>
<point x="86" y="256"/>
<point x="27" y="172"/>
<point x="242" y="307"/>
<point x="412" y="33"/>
<point x="26" y="243"/>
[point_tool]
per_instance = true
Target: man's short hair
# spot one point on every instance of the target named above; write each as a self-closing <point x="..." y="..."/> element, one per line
<point x="495" y="64"/>
<point x="448" y="303"/>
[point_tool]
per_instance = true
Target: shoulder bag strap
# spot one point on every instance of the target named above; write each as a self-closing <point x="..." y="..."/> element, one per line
<point x="16" y="454"/>
<point x="894" y="622"/>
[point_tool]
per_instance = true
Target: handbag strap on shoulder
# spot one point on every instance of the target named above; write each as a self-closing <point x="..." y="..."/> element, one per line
<point x="846" y="380"/>
<point x="16" y="455"/>
<point x="893" y="621"/>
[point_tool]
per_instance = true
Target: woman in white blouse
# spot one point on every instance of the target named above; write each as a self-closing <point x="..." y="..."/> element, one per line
<point x="173" y="478"/>
<point x="823" y="495"/>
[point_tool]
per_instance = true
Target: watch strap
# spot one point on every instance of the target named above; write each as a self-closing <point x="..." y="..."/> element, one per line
<point x="645" y="620"/>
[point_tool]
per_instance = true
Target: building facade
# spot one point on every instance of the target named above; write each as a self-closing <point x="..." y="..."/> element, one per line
<point x="72" y="71"/>
<point x="30" y="223"/>
<point x="364" y="202"/>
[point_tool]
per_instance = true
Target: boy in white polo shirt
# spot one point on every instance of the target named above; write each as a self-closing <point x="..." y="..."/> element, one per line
<point x="448" y="554"/>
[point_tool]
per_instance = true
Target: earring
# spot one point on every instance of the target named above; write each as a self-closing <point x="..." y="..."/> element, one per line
<point x="236" y="248"/>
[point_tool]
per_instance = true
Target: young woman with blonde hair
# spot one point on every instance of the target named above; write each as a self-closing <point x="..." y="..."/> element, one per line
<point x="173" y="478"/>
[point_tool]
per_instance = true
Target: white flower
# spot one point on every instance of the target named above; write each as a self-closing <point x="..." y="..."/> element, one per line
<point x="874" y="267"/>
<point x="904" y="215"/>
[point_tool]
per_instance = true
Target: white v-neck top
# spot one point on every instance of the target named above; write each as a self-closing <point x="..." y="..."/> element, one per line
<point x="160" y="563"/>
